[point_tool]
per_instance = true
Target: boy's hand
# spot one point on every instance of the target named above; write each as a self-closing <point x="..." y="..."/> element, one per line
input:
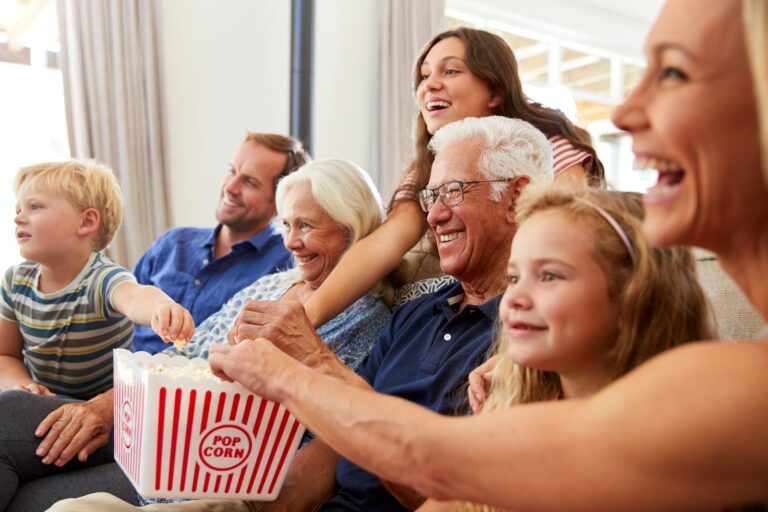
<point x="173" y="322"/>
<point x="34" y="387"/>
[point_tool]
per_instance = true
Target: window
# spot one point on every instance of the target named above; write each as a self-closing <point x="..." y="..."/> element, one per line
<point x="33" y="125"/>
<point x="584" y="83"/>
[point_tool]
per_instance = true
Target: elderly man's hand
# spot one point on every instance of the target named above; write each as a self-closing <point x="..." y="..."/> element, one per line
<point x="257" y="365"/>
<point x="283" y="323"/>
<point x="75" y="429"/>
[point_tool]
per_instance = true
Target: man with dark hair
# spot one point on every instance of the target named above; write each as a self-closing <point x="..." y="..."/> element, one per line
<point x="201" y="268"/>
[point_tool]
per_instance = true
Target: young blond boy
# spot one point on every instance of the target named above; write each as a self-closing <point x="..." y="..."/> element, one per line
<point x="67" y="306"/>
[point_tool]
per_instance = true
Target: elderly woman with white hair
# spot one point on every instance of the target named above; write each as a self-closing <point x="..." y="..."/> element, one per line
<point x="324" y="207"/>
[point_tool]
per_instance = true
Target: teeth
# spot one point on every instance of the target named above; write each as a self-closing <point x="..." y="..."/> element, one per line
<point x="450" y="236"/>
<point x="303" y="259"/>
<point x="660" y="189"/>
<point x="439" y="103"/>
<point x="657" y="163"/>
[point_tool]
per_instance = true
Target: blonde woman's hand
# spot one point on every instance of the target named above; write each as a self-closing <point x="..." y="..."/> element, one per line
<point x="480" y="383"/>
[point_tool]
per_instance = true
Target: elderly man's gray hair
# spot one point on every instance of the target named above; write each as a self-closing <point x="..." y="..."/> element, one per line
<point x="509" y="148"/>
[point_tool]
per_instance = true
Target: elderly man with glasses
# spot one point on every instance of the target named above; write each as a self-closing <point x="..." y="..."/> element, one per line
<point x="432" y="343"/>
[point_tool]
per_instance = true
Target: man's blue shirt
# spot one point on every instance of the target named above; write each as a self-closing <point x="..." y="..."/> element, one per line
<point x="181" y="263"/>
<point x="425" y="356"/>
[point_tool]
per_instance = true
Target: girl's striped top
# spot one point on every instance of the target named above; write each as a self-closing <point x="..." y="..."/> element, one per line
<point x="565" y="154"/>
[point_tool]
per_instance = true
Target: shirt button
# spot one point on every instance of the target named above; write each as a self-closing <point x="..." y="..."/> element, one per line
<point x="197" y="282"/>
<point x="205" y="261"/>
<point x="447" y="337"/>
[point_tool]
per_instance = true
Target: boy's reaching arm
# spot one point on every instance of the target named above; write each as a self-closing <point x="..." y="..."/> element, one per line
<point x="148" y="305"/>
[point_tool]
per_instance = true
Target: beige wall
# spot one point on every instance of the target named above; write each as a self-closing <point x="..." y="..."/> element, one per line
<point x="227" y="68"/>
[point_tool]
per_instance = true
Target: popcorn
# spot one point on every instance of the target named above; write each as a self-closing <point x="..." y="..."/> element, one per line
<point x="180" y="345"/>
<point x="181" y="432"/>
<point x="191" y="371"/>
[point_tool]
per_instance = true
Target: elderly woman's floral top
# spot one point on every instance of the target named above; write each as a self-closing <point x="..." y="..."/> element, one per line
<point x="351" y="334"/>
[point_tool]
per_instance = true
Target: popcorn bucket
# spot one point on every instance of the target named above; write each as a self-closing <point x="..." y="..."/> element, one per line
<point x="182" y="433"/>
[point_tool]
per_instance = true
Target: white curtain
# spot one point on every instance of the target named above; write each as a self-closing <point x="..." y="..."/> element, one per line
<point x="406" y="26"/>
<point x="111" y="65"/>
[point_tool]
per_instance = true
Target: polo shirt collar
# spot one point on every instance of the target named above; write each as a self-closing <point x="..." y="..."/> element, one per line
<point x="454" y="294"/>
<point x="258" y="240"/>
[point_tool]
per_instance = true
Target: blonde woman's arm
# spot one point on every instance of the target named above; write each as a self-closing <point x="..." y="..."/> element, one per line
<point x="367" y="262"/>
<point x="696" y="415"/>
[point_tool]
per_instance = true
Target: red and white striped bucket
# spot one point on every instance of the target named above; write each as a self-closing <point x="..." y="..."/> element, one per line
<point x="181" y="437"/>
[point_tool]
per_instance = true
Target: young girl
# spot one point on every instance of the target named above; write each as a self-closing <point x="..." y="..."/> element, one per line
<point x="588" y="300"/>
<point x="460" y="73"/>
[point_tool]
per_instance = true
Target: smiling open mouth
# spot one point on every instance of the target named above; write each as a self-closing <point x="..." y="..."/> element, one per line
<point x="450" y="237"/>
<point x="432" y="106"/>
<point x="527" y="327"/>
<point x="671" y="174"/>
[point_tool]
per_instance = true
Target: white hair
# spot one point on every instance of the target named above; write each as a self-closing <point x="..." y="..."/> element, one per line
<point x="343" y="190"/>
<point x="509" y="148"/>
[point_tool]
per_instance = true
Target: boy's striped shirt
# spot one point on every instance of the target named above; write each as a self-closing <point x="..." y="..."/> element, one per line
<point x="69" y="335"/>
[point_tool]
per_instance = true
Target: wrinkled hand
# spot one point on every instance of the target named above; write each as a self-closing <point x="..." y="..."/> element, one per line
<point x="480" y="383"/>
<point x="75" y="429"/>
<point x="173" y="322"/>
<point x="34" y="387"/>
<point x="283" y="323"/>
<point x="257" y="365"/>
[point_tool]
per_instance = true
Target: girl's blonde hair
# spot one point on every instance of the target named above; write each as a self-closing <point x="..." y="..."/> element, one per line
<point x="85" y="184"/>
<point x="661" y="304"/>
<point x="755" y="14"/>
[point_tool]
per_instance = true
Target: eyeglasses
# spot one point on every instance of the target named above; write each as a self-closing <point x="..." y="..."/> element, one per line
<point x="451" y="192"/>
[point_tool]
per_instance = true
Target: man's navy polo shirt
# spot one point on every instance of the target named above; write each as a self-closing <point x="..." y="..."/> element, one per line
<point x="425" y="356"/>
<point x="181" y="263"/>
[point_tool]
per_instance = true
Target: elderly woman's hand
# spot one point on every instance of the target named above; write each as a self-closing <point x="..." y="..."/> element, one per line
<point x="75" y="429"/>
<point x="257" y="365"/>
<point x="480" y="380"/>
<point x="283" y="323"/>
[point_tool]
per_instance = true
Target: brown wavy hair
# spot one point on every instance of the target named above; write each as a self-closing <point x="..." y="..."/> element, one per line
<point x="491" y="59"/>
